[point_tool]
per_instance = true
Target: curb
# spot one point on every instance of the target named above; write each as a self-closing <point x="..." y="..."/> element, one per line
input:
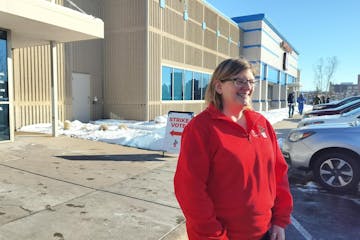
<point x="177" y="233"/>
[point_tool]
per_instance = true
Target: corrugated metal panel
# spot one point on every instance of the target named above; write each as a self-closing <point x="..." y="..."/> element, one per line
<point x="193" y="56"/>
<point x="177" y="5"/>
<point x="223" y="45"/>
<point x="234" y="50"/>
<point x="234" y="33"/>
<point x="224" y="26"/>
<point x="211" y="19"/>
<point x="194" y="32"/>
<point x="209" y="60"/>
<point x="125" y="63"/>
<point x="32" y="85"/>
<point x="210" y="40"/>
<point x="154" y="14"/>
<point x="154" y="75"/>
<point x="196" y="11"/>
<point x="172" y="50"/>
<point x="173" y="23"/>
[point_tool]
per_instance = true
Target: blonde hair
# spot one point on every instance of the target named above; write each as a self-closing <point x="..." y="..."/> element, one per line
<point x="226" y="69"/>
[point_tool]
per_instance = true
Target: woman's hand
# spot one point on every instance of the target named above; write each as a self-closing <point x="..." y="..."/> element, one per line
<point x="277" y="233"/>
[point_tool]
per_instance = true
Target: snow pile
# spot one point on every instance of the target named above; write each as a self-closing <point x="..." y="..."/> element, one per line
<point x="140" y="134"/>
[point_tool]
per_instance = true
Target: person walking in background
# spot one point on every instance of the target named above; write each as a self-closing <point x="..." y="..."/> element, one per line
<point x="301" y="101"/>
<point x="316" y="100"/>
<point x="291" y="104"/>
<point x="231" y="178"/>
<point x="328" y="99"/>
<point x="323" y="99"/>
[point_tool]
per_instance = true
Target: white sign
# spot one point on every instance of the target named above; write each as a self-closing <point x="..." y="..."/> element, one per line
<point x="176" y="123"/>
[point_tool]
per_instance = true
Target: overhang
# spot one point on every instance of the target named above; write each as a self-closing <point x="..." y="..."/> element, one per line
<point x="36" y="22"/>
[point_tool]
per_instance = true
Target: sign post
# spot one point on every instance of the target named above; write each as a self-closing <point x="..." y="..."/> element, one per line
<point x="176" y="123"/>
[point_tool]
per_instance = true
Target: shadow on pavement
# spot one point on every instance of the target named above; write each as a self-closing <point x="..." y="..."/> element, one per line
<point x="295" y="120"/>
<point x="117" y="157"/>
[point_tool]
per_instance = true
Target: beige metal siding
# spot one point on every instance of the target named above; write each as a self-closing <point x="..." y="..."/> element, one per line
<point x="209" y="60"/>
<point x="32" y="85"/>
<point x="86" y="57"/>
<point x="155" y="14"/>
<point x="154" y="74"/>
<point x="173" y="50"/>
<point x="224" y="26"/>
<point x="195" y="11"/>
<point x="177" y="5"/>
<point x="223" y="45"/>
<point x="194" y="32"/>
<point x="125" y="90"/>
<point x="211" y="19"/>
<point x="210" y="40"/>
<point x="234" y="33"/>
<point x="193" y="56"/>
<point x="173" y="23"/>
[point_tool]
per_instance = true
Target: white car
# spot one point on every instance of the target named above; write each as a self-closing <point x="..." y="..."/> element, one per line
<point x="329" y="119"/>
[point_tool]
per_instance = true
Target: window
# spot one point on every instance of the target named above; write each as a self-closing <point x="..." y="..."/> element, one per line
<point x="197" y="86"/>
<point x="205" y="83"/>
<point x="188" y="82"/>
<point x="272" y="74"/>
<point x="178" y="84"/>
<point x="4" y="122"/>
<point x="182" y="84"/>
<point x="290" y="79"/>
<point x="167" y="83"/>
<point x="4" y="92"/>
<point x="282" y="78"/>
<point x="162" y="3"/>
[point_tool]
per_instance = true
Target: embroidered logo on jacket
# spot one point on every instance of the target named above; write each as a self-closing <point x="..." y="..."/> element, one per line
<point x="260" y="133"/>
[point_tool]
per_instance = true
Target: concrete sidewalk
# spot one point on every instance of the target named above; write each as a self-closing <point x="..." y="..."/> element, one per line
<point x="65" y="188"/>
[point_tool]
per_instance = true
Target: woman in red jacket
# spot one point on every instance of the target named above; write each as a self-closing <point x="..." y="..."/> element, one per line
<point x="231" y="178"/>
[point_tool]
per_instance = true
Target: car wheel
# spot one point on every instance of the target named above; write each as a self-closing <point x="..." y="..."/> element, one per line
<point x="337" y="172"/>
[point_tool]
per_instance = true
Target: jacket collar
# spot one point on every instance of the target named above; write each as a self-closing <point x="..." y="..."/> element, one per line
<point x="250" y="115"/>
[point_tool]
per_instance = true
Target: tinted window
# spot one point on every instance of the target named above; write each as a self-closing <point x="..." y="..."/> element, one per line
<point x="4" y="95"/>
<point x="178" y="84"/>
<point x="205" y="83"/>
<point x="4" y="122"/>
<point x="197" y="86"/>
<point x="166" y="84"/>
<point x="272" y="75"/>
<point x="188" y="85"/>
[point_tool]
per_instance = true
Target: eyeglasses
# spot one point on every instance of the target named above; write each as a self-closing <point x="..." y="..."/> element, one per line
<point x="240" y="82"/>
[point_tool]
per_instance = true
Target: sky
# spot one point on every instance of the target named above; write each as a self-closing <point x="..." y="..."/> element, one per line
<point x="315" y="28"/>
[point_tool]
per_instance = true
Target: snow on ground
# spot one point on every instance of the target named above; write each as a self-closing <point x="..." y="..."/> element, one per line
<point x="140" y="134"/>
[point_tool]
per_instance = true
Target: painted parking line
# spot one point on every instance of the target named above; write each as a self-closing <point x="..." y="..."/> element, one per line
<point x="301" y="229"/>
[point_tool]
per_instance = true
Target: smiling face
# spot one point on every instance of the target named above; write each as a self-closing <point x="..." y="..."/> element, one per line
<point x="236" y="96"/>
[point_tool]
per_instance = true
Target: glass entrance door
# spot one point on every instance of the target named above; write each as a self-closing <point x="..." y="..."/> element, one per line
<point x="4" y="89"/>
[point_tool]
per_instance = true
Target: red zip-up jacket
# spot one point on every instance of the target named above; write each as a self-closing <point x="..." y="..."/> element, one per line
<point x="231" y="183"/>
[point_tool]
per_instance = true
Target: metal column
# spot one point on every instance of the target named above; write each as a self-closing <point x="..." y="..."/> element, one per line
<point x="54" y="89"/>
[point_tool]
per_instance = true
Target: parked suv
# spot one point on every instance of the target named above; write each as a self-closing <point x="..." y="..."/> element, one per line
<point x="331" y="151"/>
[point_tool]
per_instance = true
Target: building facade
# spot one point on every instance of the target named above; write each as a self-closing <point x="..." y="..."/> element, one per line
<point x="32" y="60"/>
<point x="156" y="56"/>
<point x="345" y="89"/>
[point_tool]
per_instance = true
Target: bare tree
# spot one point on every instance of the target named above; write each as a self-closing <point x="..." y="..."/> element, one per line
<point x="324" y="73"/>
